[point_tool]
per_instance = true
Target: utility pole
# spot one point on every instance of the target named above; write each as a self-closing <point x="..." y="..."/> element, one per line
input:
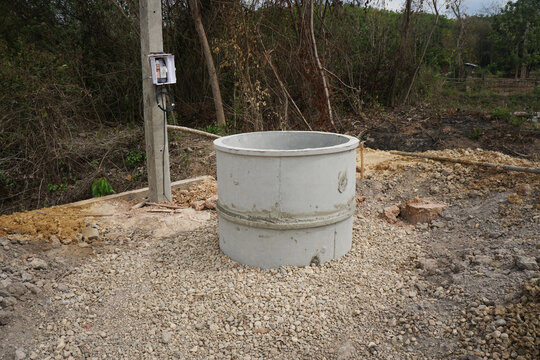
<point x="155" y="133"/>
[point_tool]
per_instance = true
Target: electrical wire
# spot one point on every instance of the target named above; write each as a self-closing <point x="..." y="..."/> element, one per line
<point x="163" y="92"/>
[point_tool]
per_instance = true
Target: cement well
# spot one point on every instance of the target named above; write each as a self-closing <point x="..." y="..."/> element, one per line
<point x="285" y="198"/>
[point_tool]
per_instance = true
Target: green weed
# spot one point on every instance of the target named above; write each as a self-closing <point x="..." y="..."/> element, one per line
<point x="215" y="128"/>
<point x="101" y="187"/>
<point x="134" y="158"/>
<point x="501" y="113"/>
<point x="57" y="187"/>
<point x="516" y="121"/>
<point x="475" y="134"/>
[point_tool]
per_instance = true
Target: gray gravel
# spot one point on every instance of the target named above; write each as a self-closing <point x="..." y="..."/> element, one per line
<point x="451" y="289"/>
<point x="181" y="297"/>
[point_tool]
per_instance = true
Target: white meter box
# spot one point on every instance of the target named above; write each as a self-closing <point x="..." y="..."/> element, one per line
<point x="163" y="69"/>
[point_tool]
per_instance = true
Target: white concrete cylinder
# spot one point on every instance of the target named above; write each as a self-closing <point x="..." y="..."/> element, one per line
<point x="285" y="197"/>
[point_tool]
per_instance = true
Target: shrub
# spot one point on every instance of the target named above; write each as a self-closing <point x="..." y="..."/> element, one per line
<point x="501" y="113"/>
<point x="101" y="187"/>
<point x="135" y="157"/>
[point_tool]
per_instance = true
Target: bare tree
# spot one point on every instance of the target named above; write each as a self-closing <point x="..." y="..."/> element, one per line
<point x="402" y="50"/>
<point x="214" y="83"/>
<point x="322" y="73"/>
<point x="525" y="44"/>
<point x="457" y="9"/>
<point x="426" y="45"/>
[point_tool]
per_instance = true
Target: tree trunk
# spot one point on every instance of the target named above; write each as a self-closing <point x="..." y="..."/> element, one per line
<point x="517" y="62"/>
<point x="320" y="68"/>
<point x="424" y="51"/>
<point x="401" y="55"/>
<point x="524" y="60"/>
<point x="214" y="83"/>
<point x="456" y="9"/>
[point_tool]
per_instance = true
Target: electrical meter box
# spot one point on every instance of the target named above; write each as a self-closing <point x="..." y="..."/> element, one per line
<point x="163" y="70"/>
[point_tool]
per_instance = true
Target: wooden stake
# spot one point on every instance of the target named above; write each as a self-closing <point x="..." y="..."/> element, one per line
<point x="361" y="160"/>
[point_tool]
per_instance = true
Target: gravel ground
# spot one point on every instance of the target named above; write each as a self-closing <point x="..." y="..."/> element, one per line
<point x="463" y="287"/>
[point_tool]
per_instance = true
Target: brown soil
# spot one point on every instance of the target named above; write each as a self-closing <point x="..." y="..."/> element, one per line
<point x="42" y="224"/>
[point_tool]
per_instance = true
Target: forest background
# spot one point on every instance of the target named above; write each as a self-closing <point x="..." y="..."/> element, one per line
<point x="70" y="75"/>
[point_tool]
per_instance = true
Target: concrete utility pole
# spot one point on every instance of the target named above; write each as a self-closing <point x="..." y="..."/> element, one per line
<point x="157" y="150"/>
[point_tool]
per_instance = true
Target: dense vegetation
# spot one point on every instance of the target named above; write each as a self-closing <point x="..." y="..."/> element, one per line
<point x="70" y="68"/>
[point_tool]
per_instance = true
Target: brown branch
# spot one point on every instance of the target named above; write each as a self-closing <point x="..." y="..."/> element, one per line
<point x="193" y="131"/>
<point x="468" y="162"/>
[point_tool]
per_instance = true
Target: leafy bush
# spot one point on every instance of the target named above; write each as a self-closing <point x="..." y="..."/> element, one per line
<point x="134" y="158"/>
<point x="101" y="187"/>
<point x="501" y="113"/>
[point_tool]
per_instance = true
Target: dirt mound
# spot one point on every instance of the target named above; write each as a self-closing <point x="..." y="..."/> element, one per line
<point x="196" y="193"/>
<point x="63" y="222"/>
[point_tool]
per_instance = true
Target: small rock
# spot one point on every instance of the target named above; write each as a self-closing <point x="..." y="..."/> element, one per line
<point x="422" y="226"/>
<point x="5" y="317"/>
<point x="8" y="301"/>
<point x="428" y="265"/>
<point x="38" y="264"/>
<point x="90" y="233"/>
<point x="210" y="203"/>
<point x="481" y="260"/>
<point x="420" y="286"/>
<point x="83" y="244"/>
<point x="500" y="310"/>
<point x="166" y="337"/>
<point x="66" y="241"/>
<point x="25" y="276"/>
<point x="198" y="205"/>
<point x="20" y="355"/>
<point x="17" y="289"/>
<point x="33" y="288"/>
<point x="524" y="189"/>
<point x="526" y="263"/>
<point x="54" y="241"/>
<point x="437" y="224"/>
<point x="199" y="326"/>
<point x="61" y="344"/>
<point x="421" y="210"/>
<point x="360" y="198"/>
<point x="515" y="199"/>
<point x="390" y="213"/>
